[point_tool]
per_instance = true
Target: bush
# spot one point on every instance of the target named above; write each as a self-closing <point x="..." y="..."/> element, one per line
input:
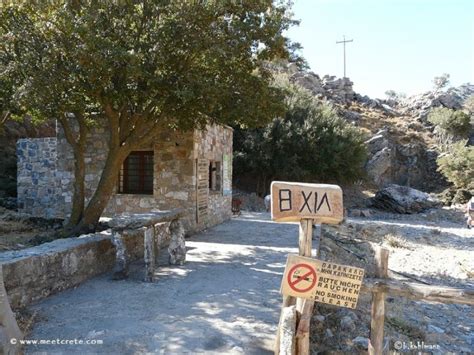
<point x="455" y="123"/>
<point x="469" y="104"/>
<point x="457" y="165"/>
<point x="310" y="143"/>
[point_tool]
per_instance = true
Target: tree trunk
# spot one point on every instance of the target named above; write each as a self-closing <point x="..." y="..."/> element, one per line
<point x="100" y="199"/>
<point x="78" y="145"/>
<point x="79" y="188"/>
<point x="10" y="333"/>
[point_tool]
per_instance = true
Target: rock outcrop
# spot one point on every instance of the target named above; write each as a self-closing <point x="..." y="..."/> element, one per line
<point x="420" y="105"/>
<point x="411" y="164"/>
<point x="403" y="199"/>
<point x="338" y="90"/>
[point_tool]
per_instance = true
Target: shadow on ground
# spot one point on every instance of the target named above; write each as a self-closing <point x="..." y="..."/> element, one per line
<point x="224" y="299"/>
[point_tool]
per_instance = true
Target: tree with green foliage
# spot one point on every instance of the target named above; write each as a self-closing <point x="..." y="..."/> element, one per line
<point x="309" y="143"/>
<point x="391" y="94"/>
<point x="8" y="86"/>
<point x="450" y="125"/>
<point x="140" y="67"/>
<point x="457" y="165"/>
<point x="440" y="82"/>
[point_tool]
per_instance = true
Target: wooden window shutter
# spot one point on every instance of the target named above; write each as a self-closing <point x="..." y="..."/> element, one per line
<point x="202" y="189"/>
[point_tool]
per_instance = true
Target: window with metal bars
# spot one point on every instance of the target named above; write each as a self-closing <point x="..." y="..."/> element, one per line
<point x="136" y="174"/>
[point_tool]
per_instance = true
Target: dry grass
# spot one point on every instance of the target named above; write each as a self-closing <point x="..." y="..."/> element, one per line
<point x="396" y="241"/>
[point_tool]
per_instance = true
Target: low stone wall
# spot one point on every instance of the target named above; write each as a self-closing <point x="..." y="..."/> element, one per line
<point x="35" y="273"/>
<point x="38" y="272"/>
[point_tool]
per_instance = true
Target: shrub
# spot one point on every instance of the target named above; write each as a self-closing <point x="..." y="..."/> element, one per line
<point x="441" y="81"/>
<point x="469" y="104"/>
<point x="310" y="143"/>
<point x="450" y="125"/>
<point x="457" y="165"/>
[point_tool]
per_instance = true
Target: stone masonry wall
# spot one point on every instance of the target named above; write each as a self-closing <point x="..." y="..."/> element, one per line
<point x="173" y="183"/>
<point x="37" y="178"/>
<point x="35" y="273"/>
<point x="215" y="143"/>
<point x="46" y="185"/>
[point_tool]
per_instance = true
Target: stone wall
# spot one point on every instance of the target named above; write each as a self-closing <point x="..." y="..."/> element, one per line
<point x="215" y="143"/>
<point x="35" y="273"/>
<point x="174" y="181"/>
<point x="37" y="178"/>
<point x="174" y="184"/>
<point x="38" y="272"/>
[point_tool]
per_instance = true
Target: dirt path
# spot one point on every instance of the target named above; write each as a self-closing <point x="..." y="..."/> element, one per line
<point x="224" y="300"/>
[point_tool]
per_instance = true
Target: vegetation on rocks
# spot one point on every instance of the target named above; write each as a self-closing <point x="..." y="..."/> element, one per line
<point x="311" y="142"/>
<point x="457" y="165"/>
<point x="450" y="124"/>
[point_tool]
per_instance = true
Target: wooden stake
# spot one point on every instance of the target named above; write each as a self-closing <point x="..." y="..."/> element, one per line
<point x="304" y="323"/>
<point x="287" y="301"/>
<point x="304" y="308"/>
<point x="9" y="329"/>
<point x="288" y="330"/>
<point x="378" y="305"/>
<point x="305" y="243"/>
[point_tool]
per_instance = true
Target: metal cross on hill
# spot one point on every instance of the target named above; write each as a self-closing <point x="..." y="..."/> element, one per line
<point x="344" y="41"/>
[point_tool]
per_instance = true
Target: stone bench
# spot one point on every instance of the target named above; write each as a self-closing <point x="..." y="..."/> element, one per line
<point x="159" y="229"/>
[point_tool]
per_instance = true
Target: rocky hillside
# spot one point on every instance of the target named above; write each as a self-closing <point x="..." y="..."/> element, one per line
<point x="400" y="142"/>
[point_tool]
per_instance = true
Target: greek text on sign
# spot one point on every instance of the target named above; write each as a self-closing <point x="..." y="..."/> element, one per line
<point x="322" y="281"/>
<point x="295" y="201"/>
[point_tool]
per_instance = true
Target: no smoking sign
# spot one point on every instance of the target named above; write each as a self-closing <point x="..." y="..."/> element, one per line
<point x="322" y="281"/>
<point x="302" y="278"/>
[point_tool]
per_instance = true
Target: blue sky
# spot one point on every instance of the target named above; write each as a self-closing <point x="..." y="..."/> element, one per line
<point x="398" y="44"/>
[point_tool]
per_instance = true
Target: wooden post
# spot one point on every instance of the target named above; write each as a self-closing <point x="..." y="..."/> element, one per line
<point x="304" y="203"/>
<point x="304" y="307"/>
<point x="378" y="305"/>
<point x="288" y="330"/>
<point x="10" y="333"/>
<point x="303" y="328"/>
<point x="304" y="242"/>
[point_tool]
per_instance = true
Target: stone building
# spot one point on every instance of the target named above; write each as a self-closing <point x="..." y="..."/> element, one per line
<point x="188" y="170"/>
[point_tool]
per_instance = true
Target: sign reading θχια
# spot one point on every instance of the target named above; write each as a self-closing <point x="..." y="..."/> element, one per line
<point x="322" y="281"/>
<point x="292" y="202"/>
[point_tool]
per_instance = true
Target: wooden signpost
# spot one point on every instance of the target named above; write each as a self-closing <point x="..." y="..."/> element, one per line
<point x="305" y="279"/>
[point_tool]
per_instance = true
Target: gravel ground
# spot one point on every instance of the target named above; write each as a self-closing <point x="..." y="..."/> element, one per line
<point x="226" y="298"/>
<point x="434" y="248"/>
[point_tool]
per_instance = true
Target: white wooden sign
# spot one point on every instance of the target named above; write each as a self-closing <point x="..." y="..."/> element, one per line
<point x="292" y="202"/>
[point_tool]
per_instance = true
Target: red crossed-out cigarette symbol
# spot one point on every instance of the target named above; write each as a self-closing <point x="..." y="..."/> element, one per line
<point x="302" y="277"/>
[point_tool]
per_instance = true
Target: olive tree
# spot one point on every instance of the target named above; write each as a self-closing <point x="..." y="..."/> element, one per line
<point x="140" y="67"/>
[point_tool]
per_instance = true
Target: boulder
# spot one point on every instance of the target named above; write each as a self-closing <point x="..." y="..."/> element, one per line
<point x="403" y="199"/>
<point x="351" y="115"/>
<point x="377" y="142"/>
<point x="379" y="166"/>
